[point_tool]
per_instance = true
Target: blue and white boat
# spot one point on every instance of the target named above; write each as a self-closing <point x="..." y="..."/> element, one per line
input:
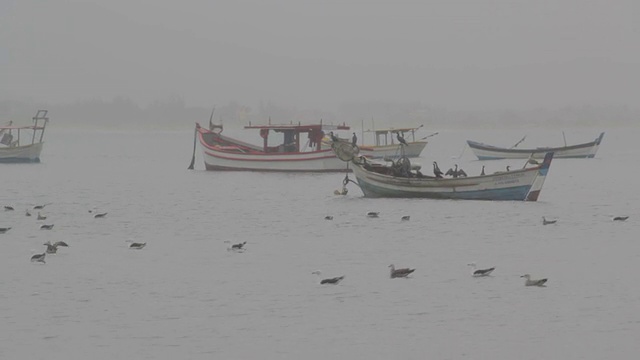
<point x="490" y="152"/>
<point x="401" y="179"/>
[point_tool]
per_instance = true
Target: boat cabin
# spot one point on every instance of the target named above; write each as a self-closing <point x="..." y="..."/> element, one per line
<point x="14" y="136"/>
<point x="295" y="138"/>
<point x="384" y="137"/>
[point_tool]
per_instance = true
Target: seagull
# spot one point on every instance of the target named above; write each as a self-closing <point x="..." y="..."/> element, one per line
<point x="27" y="213"/>
<point x="400" y="273"/>
<point x="328" y="217"/>
<point x="480" y="272"/>
<point x="620" y="218"/>
<point x="548" y="222"/>
<point x="529" y="282"/>
<point x="406" y="218"/>
<point x="51" y="248"/>
<point x="39" y="207"/>
<point x="4" y="230"/>
<point x="238" y="246"/>
<point x="137" y="246"/>
<point x="38" y="258"/>
<point x="46" y="227"/>
<point x="101" y="215"/>
<point x="330" y="281"/>
<point x="40" y="217"/>
<point x="8" y="208"/>
<point x="373" y="214"/>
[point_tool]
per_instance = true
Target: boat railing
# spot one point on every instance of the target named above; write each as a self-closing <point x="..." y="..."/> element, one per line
<point x="8" y="138"/>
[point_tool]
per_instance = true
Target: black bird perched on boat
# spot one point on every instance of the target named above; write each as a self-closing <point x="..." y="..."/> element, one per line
<point x="620" y="218"/>
<point x="400" y="273"/>
<point x="482" y="172"/>
<point x="436" y="170"/>
<point x="330" y="281"/>
<point x="461" y="173"/>
<point x="4" y="230"/>
<point x="137" y="246"/>
<point x="8" y="208"/>
<point x="101" y="215"/>
<point x="508" y="168"/>
<point x="46" y="227"/>
<point x="354" y="139"/>
<point x="39" y="257"/>
<point x="480" y="272"/>
<point x="373" y="214"/>
<point x="333" y="137"/>
<point x="548" y="222"/>
<point x="401" y="139"/>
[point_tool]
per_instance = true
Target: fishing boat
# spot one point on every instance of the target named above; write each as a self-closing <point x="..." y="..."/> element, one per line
<point x="385" y="144"/>
<point x="489" y="152"/>
<point x="286" y="147"/>
<point x="403" y="179"/>
<point x="23" y="144"/>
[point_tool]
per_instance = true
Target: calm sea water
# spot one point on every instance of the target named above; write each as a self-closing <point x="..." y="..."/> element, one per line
<point x="185" y="296"/>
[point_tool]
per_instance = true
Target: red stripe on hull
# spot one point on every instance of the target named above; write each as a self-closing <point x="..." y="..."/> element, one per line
<point x="210" y="167"/>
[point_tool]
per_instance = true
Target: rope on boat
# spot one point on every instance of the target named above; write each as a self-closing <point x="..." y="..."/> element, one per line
<point x="193" y="157"/>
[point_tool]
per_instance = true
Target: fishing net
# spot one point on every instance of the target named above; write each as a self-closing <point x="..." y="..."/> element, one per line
<point x="345" y="151"/>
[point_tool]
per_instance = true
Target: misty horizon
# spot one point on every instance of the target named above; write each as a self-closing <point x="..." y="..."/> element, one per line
<point x="461" y="56"/>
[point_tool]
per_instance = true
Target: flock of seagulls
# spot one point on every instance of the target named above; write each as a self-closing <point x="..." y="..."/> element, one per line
<point x="52" y="248"/>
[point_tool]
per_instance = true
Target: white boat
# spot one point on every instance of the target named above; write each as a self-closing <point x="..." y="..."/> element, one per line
<point x="294" y="151"/>
<point x="23" y="144"/>
<point x="488" y="152"/>
<point x="386" y="144"/>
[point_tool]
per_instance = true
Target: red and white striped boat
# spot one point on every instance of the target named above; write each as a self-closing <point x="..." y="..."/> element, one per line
<point x="299" y="148"/>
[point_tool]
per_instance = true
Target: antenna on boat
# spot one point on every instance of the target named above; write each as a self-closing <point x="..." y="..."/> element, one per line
<point x="518" y="143"/>
<point x="565" y="139"/>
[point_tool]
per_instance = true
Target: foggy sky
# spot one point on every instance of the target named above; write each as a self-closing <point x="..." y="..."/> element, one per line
<point x="466" y="54"/>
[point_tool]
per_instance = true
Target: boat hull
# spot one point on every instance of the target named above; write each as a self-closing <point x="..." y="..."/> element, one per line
<point x="21" y="154"/>
<point x="520" y="185"/>
<point x="221" y="153"/>
<point x="488" y="152"/>
<point x="393" y="151"/>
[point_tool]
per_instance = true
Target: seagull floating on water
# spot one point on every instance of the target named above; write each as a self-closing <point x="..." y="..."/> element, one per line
<point x="480" y="272"/>
<point x="529" y="282"/>
<point x="8" y="208"/>
<point x="330" y="281"/>
<point x="39" y="207"/>
<point x="101" y="215"/>
<point x="400" y="273"/>
<point x="27" y="213"/>
<point x="373" y="214"/>
<point x="4" y="230"/>
<point x="620" y="218"/>
<point x="46" y="227"/>
<point x="328" y="217"/>
<point x="39" y="258"/>
<point x="41" y="217"/>
<point x="51" y="248"/>
<point x="548" y="222"/>
<point x="406" y="218"/>
<point x="238" y="246"/>
<point x="137" y="246"/>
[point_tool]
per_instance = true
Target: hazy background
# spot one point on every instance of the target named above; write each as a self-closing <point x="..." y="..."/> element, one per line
<point x="439" y="61"/>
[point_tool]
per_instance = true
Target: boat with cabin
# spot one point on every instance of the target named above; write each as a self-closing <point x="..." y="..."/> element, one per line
<point x="489" y="152"/>
<point x="404" y="179"/>
<point x="386" y="144"/>
<point x="285" y="147"/>
<point x="23" y="144"/>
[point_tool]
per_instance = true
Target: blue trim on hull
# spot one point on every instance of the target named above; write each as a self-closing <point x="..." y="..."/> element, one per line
<point x="19" y="160"/>
<point x="513" y="193"/>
